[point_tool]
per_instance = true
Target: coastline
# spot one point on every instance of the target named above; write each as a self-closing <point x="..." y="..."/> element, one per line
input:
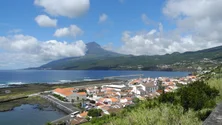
<point x="19" y="93"/>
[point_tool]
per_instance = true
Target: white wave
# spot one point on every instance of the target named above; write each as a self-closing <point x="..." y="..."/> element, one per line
<point x="16" y="83"/>
<point x="90" y="79"/>
<point x="3" y="85"/>
<point x="65" y="81"/>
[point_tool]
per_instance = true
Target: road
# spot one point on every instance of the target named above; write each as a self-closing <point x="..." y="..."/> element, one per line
<point x="66" y="119"/>
<point x="67" y="106"/>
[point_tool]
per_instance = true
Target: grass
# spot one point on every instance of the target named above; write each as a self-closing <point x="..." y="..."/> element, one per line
<point x="163" y="114"/>
<point x="216" y="83"/>
<point x="150" y="113"/>
<point x="6" y="106"/>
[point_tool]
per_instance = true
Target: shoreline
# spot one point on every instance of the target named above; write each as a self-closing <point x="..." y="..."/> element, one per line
<point x="19" y="94"/>
<point x="18" y="84"/>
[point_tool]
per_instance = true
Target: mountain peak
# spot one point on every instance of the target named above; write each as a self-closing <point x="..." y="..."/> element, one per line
<point x="95" y="49"/>
<point x="93" y="45"/>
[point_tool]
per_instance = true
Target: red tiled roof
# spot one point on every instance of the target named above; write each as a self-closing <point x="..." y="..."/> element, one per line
<point x="64" y="91"/>
<point x="82" y="93"/>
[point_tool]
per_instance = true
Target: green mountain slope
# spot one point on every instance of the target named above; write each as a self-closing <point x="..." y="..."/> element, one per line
<point x="99" y="59"/>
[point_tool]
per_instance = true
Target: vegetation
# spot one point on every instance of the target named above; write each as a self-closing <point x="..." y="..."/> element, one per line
<point x="97" y="59"/>
<point x="95" y="112"/>
<point x="190" y="104"/>
<point x="196" y="96"/>
<point x="82" y="90"/>
<point x="31" y="100"/>
<point x="60" y="97"/>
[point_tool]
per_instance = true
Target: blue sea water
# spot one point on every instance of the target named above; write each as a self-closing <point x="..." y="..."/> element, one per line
<point x="53" y="76"/>
<point x="28" y="115"/>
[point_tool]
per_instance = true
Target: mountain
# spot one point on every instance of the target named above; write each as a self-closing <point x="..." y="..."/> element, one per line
<point x="94" y="51"/>
<point x="97" y="58"/>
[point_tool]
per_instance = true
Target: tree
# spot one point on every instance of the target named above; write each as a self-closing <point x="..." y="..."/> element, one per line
<point x="73" y="100"/>
<point x="168" y="98"/>
<point x="48" y="123"/>
<point x="136" y="100"/>
<point x="79" y="105"/>
<point x="77" y="98"/>
<point x="83" y="101"/>
<point x="94" y="112"/>
<point x="197" y="96"/>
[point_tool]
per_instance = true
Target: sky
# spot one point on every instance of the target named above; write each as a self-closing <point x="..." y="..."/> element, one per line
<point x="35" y="32"/>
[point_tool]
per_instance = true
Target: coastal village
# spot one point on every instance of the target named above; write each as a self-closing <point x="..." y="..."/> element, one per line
<point x="111" y="98"/>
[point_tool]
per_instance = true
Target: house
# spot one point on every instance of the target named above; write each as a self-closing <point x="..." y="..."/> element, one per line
<point x="108" y="101"/>
<point x="125" y="100"/>
<point x="64" y="92"/>
<point x="82" y="115"/>
<point x="150" y="87"/>
<point x="78" y="121"/>
<point x="104" y="108"/>
<point x="113" y="87"/>
<point x="112" y="100"/>
<point x="78" y="95"/>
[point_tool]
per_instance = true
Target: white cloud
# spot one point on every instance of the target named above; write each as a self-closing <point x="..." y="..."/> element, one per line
<point x="198" y="26"/>
<point x="145" y="19"/>
<point x="20" y="51"/>
<point x="103" y="18"/>
<point x="71" y="31"/>
<point x="68" y="8"/>
<point x="54" y="49"/>
<point x="154" y="42"/>
<point x="18" y="43"/>
<point x="202" y="18"/>
<point x="45" y="21"/>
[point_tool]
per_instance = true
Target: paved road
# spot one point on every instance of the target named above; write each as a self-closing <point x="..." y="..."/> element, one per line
<point x="66" y="119"/>
<point x="67" y="106"/>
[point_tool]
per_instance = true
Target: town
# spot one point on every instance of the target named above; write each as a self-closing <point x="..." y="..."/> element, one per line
<point x="83" y="103"/>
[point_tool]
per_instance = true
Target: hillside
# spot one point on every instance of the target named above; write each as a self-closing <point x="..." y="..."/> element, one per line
<point x="94" y="51"/>
<point x="97" y="58"/>
<point x="191" y="104"/>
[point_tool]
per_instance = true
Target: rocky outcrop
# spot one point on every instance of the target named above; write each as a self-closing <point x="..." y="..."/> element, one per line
<point x="215" y="117"/>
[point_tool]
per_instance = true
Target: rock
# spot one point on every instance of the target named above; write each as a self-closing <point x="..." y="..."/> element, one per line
<point x="215" y="118"/>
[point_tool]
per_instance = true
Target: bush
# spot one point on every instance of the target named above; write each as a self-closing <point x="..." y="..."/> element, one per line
<point x="60" y="97"/>
<point x="94" y="112"/>
<point x="203" y="114"/>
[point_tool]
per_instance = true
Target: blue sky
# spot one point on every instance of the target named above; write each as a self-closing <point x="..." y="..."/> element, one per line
<point x="121" y="17"/>
<point x="45" y="30"/>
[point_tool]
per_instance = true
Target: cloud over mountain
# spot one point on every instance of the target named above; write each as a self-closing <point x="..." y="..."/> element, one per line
<point x="28" y="49"/>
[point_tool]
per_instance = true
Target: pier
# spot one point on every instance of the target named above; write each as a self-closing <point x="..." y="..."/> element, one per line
<point x="124" y="77"/>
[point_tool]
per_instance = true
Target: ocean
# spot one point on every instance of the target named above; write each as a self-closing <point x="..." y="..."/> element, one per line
<point x="8" y="77"/>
